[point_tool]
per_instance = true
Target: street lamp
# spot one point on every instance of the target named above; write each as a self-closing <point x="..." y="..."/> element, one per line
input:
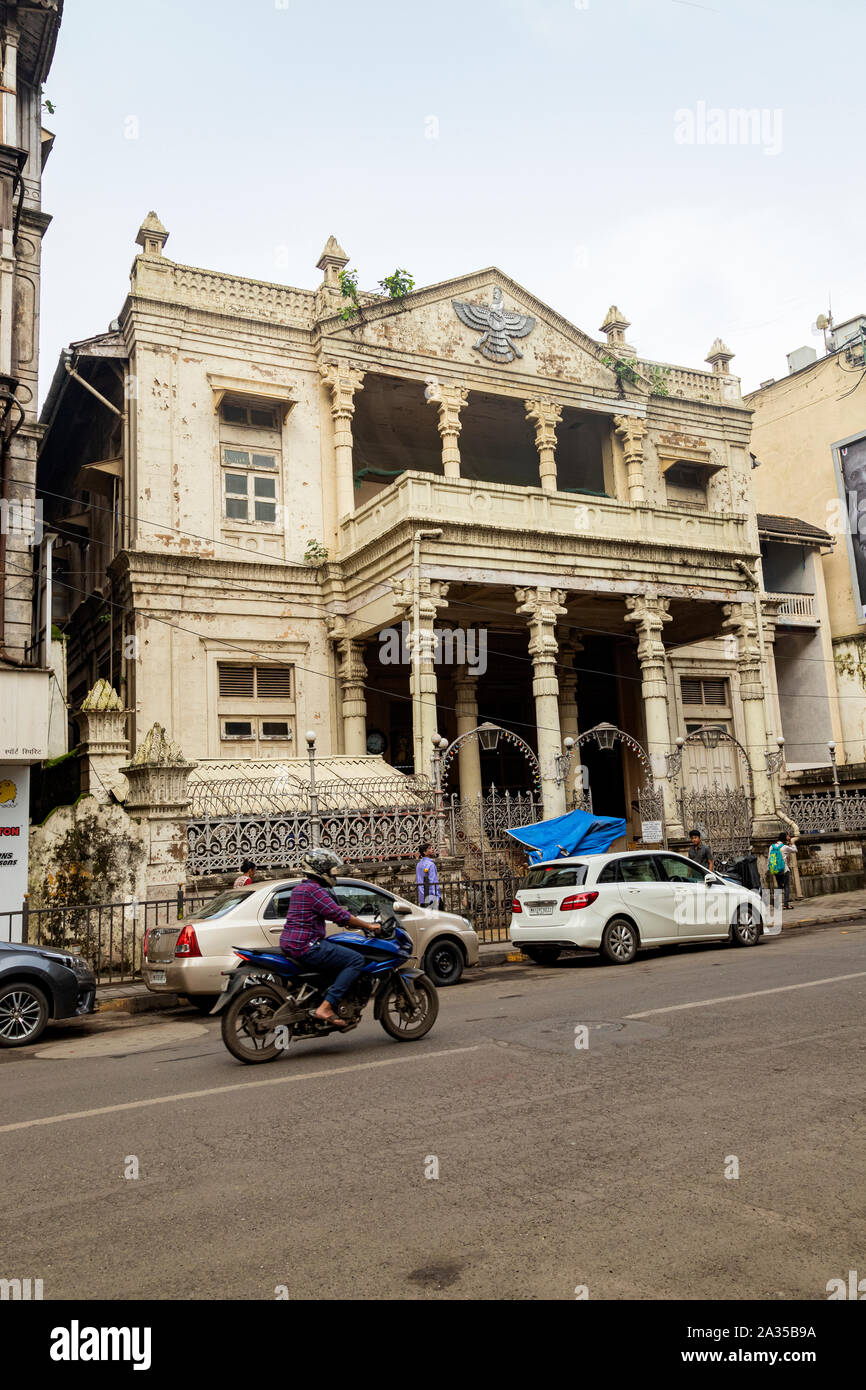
<point x="488" y="736"/>
<point x="837" y="791"/>
<point x="562" y="761"/>
<point x="315" y="824"/>
<point x="775" y="757"/>
<point x="710" y="737"/>
<point x="604" y="735"/>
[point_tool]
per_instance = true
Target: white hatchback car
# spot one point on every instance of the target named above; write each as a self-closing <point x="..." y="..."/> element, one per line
<point x="616" y="903"/>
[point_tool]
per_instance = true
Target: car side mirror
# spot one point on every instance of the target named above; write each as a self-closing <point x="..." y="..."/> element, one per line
<point x="711" y="880"/>
<point x="401" y="909"/>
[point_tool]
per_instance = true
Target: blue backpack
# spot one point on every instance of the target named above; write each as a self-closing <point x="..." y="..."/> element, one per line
<point x="776" y="862"/>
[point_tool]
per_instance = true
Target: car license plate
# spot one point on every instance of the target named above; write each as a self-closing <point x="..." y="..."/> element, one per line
<point x="157" y="977"/>
<point x="541" y="909"/>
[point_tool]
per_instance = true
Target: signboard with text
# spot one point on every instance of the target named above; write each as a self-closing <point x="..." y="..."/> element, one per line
<point x="14" y="838"/>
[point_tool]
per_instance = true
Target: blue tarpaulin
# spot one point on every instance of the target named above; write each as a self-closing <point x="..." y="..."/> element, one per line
<point x="576" y="833"/>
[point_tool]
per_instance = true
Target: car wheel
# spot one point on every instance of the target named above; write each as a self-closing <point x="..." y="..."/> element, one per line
<point x="542" y="955"/>
<point x="443" y="963"/>
<point x="745" y="928"/>
<point x="202" y="1003"/>
<point x="24" y="1013"/>
<point x="619" y="942"/>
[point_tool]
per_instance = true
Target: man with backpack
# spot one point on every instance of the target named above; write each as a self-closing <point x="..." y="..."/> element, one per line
<point x="779" y="866"/>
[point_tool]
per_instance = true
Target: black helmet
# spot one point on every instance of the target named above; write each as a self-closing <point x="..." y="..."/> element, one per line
<point x="322" y="865"/>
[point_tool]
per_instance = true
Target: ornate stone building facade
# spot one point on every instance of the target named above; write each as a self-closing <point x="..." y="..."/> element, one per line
<point x="272" y="488"/>
<point x="28" y="34"/>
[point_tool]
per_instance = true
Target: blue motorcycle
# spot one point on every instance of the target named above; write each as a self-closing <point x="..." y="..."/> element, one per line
<point x="270" y="999"/>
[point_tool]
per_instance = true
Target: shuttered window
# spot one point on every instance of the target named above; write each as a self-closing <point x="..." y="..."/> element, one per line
<point x="249" y="682"/>
<point x="707" y="690"/>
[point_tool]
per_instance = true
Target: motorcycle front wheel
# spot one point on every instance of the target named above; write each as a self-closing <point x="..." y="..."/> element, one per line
<point x="246" y="1025"/>
<point x="398" y="1018"/>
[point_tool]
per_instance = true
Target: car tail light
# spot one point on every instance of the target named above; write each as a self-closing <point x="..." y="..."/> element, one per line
<point x="577" y="900"/>
<point x="186" y="944"/>
<point x="515" y="905"/>
<point x="146" y="935"/>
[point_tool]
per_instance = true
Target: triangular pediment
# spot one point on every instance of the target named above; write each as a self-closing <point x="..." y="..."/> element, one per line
<point x="484" y="320"/>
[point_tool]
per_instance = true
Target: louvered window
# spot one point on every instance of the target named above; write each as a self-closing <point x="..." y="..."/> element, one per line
<point x="236" y="682"/>
<point x="266" y="682"/>
<point x="708" y="690"/>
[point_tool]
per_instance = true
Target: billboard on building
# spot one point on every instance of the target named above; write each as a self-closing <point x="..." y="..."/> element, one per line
<point x="850" y="457"/>
<point x="14" y="829"/>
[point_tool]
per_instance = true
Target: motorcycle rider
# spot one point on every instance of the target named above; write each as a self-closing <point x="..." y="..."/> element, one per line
<point x="311" y="906"/>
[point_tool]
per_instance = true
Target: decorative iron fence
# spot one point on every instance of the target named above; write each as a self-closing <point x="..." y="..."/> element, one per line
<point x="724" y="816"/>
<point x="825" y="813"/>
<point x="109" y="935"/>
<point x="278" y="840"/>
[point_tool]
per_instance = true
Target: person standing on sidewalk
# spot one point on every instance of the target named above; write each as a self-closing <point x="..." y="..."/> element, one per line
<point x="427" y="878"/>
<point x="779" y="862"/>
<point x="699" y="852"/>
<point x="245" y="877"/>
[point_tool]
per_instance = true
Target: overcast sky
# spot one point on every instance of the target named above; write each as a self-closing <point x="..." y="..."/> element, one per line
<point x="573" y="143"/>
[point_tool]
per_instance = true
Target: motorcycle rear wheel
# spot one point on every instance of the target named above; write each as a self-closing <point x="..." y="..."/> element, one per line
<point x="399" y="1022"/>
<point x="245" y="1029"/>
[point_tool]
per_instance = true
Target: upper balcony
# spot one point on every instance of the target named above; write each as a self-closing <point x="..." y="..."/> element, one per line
<point x="795" y="609"/>
<point x="515" y="519"/>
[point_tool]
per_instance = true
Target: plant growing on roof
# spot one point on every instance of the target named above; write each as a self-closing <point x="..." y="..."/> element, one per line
<point x="398" y="285"/>
<point x="315" y="553"/>
<point x="349" y="290"/>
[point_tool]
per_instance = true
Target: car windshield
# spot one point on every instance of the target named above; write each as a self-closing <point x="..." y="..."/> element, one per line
<point x="223" y="904"/>
<point x="552" y="877"/>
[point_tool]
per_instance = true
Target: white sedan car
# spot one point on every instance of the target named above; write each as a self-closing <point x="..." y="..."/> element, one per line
<point x="616" y="903"/>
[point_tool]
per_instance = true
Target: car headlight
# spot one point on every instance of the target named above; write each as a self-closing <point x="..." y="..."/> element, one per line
<point x="466" y="922"/>
<point x="80" y="966"/>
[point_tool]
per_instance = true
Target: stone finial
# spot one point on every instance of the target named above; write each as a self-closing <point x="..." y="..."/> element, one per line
<point x="152" y="235"/>
<point x="718" y="357"/>
<point x="155" y="750"/>
<point x="102" y="697"/>
<point x="614" y="327"/>
<point x="332" y="260"/>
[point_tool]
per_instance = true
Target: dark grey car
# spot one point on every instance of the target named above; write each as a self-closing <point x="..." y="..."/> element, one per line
<point x="38" y="984"/>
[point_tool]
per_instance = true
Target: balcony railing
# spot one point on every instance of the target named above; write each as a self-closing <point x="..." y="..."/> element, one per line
<point x="430" y="497"/>
<point x="796" y="606"/>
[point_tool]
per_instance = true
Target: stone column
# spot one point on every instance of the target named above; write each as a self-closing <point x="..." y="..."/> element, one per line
<point x="741" y="620"/>
<point x="469" y="753"/>
<point x="545" y="414"/>
<point x="568" y="723"/>
<point x="423" y="684"/>
<point x="649" y="615"/>
<point x="343" y="381"/>
<point x="769" y="622"/>
<point x="633" y="432"/>
<point x="353" y="675"/>
<point x="104" y="744"/>
<point x="157" y="777"/>
<point x="451" y="400"/>
<point x="542" y="607"/>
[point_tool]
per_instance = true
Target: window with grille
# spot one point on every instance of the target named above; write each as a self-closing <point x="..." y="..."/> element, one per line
<point x="250" y="497"/>
<point x="704" y="690"/>
<point x="251" y="460"/>
<point x="250" y="682"/>
<point x="258" y="416"/>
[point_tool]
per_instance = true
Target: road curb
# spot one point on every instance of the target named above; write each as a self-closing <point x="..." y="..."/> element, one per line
<point x="147" y="1002"/>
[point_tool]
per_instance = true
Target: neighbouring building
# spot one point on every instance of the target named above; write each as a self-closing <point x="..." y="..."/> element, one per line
<point x="809" y="442"/>
<point x="31" y="674"/>
<point x="261" y="490"/>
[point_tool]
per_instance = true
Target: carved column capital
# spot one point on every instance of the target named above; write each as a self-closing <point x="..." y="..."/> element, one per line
<point x="344" y="380"/>
<point x="451" y="398"/>
<point x="542" y="607"/>
<point x="649" y="613"/>
<point x="633" y="432"/>
<point x="545" y="414"/>
<point x="741" y="622"/>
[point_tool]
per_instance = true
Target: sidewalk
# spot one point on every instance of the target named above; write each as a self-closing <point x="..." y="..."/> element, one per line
<point x="805" y="912"/>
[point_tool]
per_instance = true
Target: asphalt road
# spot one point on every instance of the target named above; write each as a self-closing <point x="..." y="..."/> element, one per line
<point x="559" y="1166"/>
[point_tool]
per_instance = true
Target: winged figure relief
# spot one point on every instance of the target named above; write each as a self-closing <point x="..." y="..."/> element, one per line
<point x="499" y="327"/>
